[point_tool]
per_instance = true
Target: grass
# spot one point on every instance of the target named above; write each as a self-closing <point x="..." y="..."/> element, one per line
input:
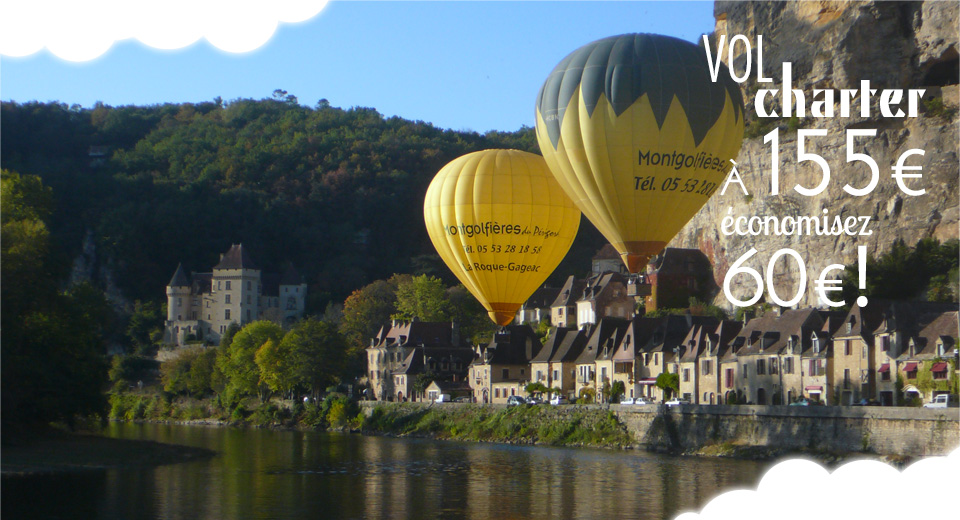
<point x="520" y="424"/>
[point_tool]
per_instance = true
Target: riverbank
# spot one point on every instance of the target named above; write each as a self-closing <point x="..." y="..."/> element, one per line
<point x="56" y="452"/>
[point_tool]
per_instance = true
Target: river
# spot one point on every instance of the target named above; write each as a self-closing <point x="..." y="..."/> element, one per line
<point x="266" y="474"/>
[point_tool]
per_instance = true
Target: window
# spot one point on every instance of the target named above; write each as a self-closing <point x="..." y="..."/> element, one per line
<point x="291" y="304"/>
<point x="846" y="347"/>
<point x="539" y="375"/>
<point x="686" y="375"/>
<point x="773" y="365"/>
<point x="863" y="353"/>
<point x="226" y="299"/>
<point x="208" y="304"/>
<point x="228" y="284"/>
<point x="179" y="302"/>
<point x="655" y="359"/>
<point x="729" y="378"/>
<point x="249" y="285"/>
<point x="816" y="345"/>
<point x="743" y="374"/>
<point x="788" y="365"/>
<point x="556" y="375"/>
<point x="884" y="343"/>
<point x="226" y="314"/>
<point x="496" y="392"/>
<point x="761" y="367"/>
<point x="846" y="378"/>
<point x="505" y="373"/>
<point x="705" y="367"/>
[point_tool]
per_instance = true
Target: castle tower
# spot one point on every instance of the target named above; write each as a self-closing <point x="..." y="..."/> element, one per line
<point x="178" y="295"/>
<point x="235" y="289"/>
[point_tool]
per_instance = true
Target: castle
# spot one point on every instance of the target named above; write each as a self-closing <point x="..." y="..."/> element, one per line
<point x="201" y="306"/>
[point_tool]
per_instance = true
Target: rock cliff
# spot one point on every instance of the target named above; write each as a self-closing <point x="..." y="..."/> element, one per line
<point x="835" y="45"/>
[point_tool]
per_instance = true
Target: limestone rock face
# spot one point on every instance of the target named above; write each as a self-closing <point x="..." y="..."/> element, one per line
<point x="835" y="45"/>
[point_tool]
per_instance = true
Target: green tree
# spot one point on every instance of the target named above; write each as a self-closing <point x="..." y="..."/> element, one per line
<point x="669" y="383"/>
<point x="318" y="352"/>
<point x="368" y="309"/>
<point x="422" y="297"/>
<point x="617" y="391"/>
<point x="277" y="366"/>
<point x="237" y="362"/>
<point x="464" y="309"/>
<point x="145" y="327"/>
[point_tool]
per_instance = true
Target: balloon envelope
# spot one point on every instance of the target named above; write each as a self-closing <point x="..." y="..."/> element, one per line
<point x="639" y="136"/>
<point x="501" y="223"/>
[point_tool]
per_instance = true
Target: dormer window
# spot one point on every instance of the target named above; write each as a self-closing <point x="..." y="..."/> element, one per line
<point x="816" y="345"/>
<point x="940" y="349"/>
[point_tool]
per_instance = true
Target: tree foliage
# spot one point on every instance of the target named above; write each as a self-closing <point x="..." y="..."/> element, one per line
<point x="237" y="361"/>
<point x="669" y="383"/>
<point x="926" y="271"/>
<point x="423" y="297"/>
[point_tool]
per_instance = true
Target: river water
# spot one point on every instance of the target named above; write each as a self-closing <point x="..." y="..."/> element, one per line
<point x="265" y="474"/>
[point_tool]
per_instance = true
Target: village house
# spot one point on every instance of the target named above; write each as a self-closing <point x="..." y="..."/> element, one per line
<point x="563" y="310"/>
<point x="607" y="260"/>
<point x="625" y="370"/>
<point x="676" y="275"/>
<point x="930" y="359"/>
<point x="537" y="307"/>
<point x="563" y="362"/>
<point x="662" y="352"/>
<point x="201" y="306"/>
<point x="605" y="295"/>
<point x="610" y="334"/>
<point x="540" y="364"/>
<point x="502" y="367"/>
<point x="402" y="351"/>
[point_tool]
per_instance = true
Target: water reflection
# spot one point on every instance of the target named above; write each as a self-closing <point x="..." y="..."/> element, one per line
<point x="269" y="474"/>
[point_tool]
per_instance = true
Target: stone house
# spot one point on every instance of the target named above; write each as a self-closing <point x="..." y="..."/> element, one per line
<point x="537" y="307"/>
<point x="540" y="365"/>
<point x="563" y="310"/>
<point x="606" y="260"/>
<point x="816" y="367"/>
<point x="662" y="351"/>
<point x="694" y="350"/>
<point x="626" y="358"/>
<point x="201" y="306"/>
<point x="676" y="275"/>
<point x="604" y="295"/>
<point x="899" y="322"/>
<point x="930" y="359"/>
<point x="771" y="355"/>
<point x="402" y="350"/>
<point x="502" y="367"/>
<point x="854" y="360"/>
<point x="610" y="335"/>
<point x="563" y="362"/>
<point x="710" y="383"/>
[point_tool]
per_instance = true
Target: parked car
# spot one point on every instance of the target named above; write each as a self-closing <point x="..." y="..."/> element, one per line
<point x="628" y="400"/>
<point x="534" y="400"/>
<point x="558" y="400"/>
<point x="463" y="400"/>
<point x="515" y="400"/>
<point x="442" y="398"/>
<point x="676" y="401"/>
<point x="640" y="401"/>
<point x="943" y="401"/>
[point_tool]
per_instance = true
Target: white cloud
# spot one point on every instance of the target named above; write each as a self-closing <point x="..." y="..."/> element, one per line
<point x="801" y="489"/>
<point x="82" y="30"/>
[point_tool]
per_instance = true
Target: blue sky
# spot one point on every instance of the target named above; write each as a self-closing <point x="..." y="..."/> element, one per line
<point x="460" y="65"/>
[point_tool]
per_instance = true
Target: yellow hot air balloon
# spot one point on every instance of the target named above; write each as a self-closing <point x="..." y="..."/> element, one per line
<point x="639" y="136"/>
<point x="501" y="223"/>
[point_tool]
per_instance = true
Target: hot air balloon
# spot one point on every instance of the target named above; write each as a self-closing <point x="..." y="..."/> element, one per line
<point x="639" y="136"/>
<point x="501" y="223"/>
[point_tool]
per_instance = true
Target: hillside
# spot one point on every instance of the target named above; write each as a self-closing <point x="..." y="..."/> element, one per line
<point x="337" y="192"/>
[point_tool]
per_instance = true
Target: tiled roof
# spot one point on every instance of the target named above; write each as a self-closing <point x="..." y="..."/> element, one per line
<point x="570" y="292"/>
<point x="236" y="258"/>
<point x="541" y="298"/>
<point x="607" y="252"/>
<point x="180" y="278"/>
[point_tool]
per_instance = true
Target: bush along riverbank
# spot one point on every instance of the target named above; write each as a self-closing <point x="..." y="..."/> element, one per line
<point x="335" y="412"/>
<point x="516" y="425"/>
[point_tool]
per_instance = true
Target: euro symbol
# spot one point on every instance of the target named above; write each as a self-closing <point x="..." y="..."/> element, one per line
<point x="823" y="286"/>
<point x="900" y="176"/>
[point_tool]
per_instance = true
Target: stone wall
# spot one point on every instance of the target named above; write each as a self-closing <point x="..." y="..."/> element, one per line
<point x="880" y="430"/>
<point x="885" y="431"/>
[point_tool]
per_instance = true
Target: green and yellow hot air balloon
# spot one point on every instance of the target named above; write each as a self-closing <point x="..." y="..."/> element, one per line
<point x="501" y="223"/>
<point x="639" y="136"/>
